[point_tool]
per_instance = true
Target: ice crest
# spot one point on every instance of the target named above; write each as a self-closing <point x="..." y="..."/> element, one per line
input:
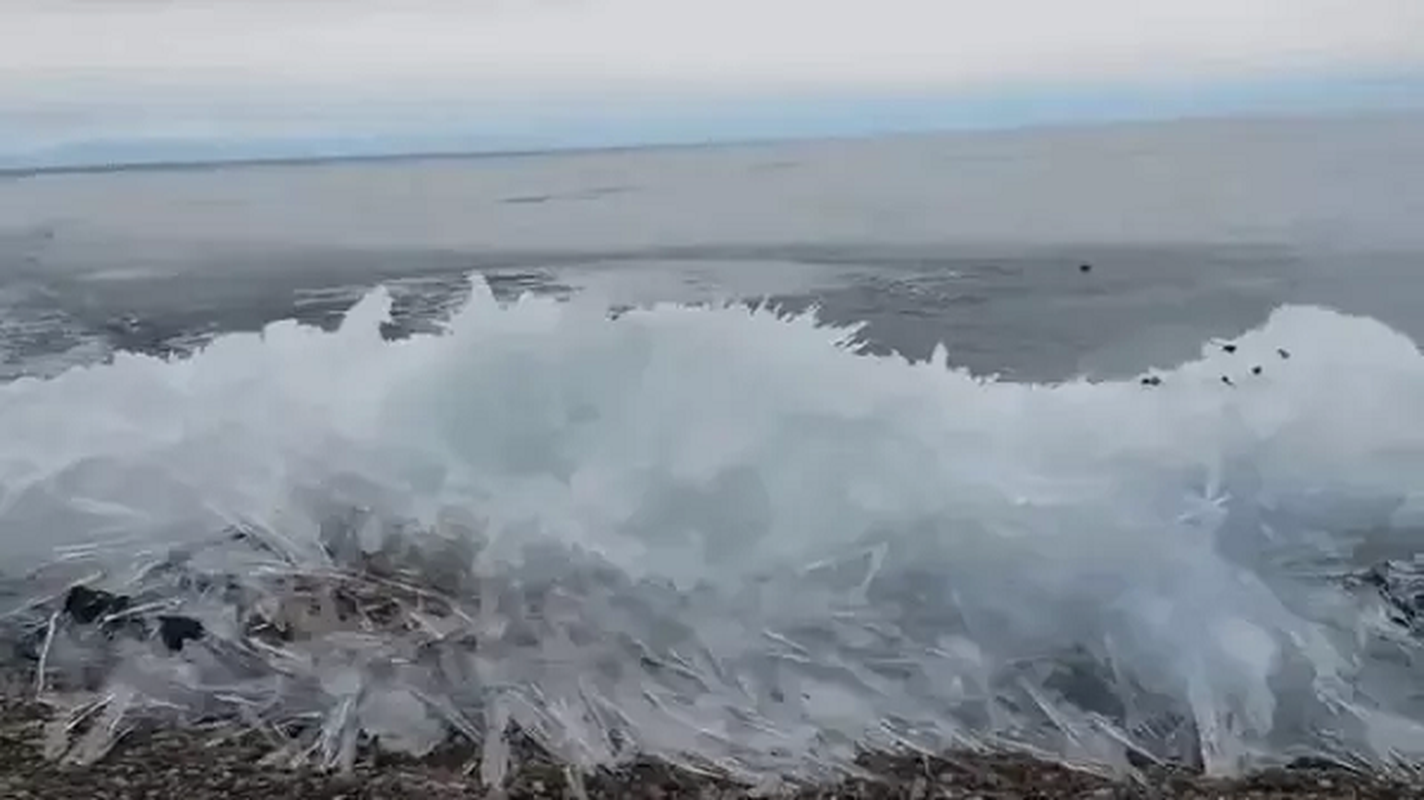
<point x="720" y="538"/>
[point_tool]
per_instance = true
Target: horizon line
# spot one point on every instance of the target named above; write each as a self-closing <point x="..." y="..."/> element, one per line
<point x="474" y="153"/>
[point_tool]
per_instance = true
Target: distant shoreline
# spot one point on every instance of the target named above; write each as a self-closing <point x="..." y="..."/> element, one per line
<point x="358" y="158"/>
<point x="415" y="156"/>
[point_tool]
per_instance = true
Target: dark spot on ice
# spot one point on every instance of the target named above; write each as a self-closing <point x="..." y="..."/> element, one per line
<point x="1139" y="759"/>
<point x="1282" y="352"/>
<point x="1228" y="348"/>
<point x="1256" y="370"/>
<point x="1376" y="576"/>
<point x="175" y="631"/>
<point x="86" y="605"/>
<point x="1316" y="763"/>
<point x="1227" y="381"/>
<point x="1085" y="267"/>
<point x="1151" y="380"/>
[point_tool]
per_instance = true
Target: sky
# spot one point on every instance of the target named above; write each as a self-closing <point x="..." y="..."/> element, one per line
<point x="96" y="80"/>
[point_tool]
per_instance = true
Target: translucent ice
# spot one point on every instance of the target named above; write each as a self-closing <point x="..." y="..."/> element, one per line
<point x="722" y="538"/>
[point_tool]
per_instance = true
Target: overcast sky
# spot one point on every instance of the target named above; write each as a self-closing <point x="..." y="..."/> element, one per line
<point x="72" y="70"/>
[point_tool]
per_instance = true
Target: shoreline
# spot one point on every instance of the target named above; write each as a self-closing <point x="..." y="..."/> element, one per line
<point x="195" y="764"/>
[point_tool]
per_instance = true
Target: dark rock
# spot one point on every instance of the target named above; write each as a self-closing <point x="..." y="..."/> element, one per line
<point x="1085" y="267"/>
<point x="176" y="630"/>
<point x="1228" y="348"/>
<point x="85" y="605"/>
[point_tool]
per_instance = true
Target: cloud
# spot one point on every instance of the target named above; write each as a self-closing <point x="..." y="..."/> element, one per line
<point x="494" y="46"/>
<point x="73" y="72"/>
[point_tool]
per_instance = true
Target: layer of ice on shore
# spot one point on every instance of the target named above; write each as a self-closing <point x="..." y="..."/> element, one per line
<point x="721" y="538"/>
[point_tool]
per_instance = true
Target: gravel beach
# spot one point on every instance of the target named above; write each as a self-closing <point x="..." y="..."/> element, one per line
<point x="157" y="763"/>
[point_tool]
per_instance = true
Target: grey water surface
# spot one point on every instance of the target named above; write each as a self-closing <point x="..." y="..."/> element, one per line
<point x="1193" y="229"/>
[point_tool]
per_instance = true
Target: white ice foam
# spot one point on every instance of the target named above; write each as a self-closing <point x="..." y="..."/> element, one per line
<point x="755" y="549"/>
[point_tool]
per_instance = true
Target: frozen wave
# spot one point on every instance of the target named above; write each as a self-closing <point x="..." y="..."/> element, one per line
<point x="722" y="538"/>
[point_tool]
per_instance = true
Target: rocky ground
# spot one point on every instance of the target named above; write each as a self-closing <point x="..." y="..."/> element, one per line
<point x="166" y="763"/>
